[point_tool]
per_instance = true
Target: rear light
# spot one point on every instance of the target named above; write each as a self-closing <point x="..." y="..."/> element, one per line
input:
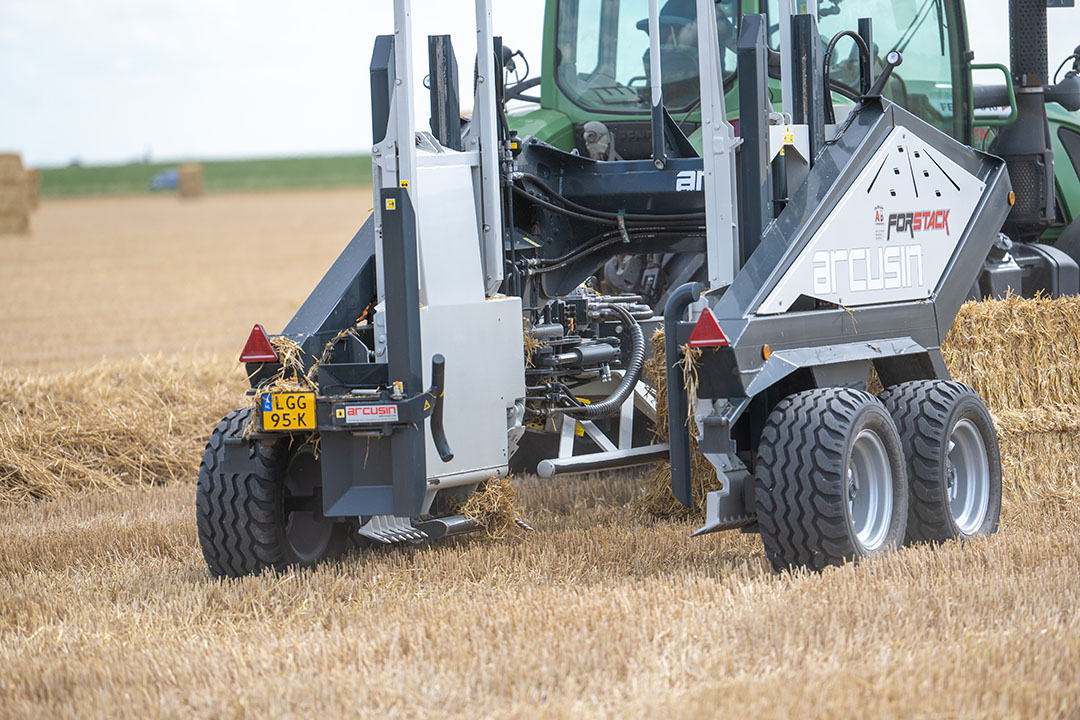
<point x="707" y="332"/>
<point x="258" y="348"/>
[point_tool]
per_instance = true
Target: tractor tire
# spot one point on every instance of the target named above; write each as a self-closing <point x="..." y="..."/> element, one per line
<point x="268" y="515"/>
<point x="829" y="482"/>
<point x="953" y="460"/>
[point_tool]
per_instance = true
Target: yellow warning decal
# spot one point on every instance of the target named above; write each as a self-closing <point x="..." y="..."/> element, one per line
<point x="391" y="204"/>
<point x="405" y="184"/>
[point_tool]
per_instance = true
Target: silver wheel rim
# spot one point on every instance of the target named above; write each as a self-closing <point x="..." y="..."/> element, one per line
<point x="870" y="490"/>
<point x="967" y="477"/>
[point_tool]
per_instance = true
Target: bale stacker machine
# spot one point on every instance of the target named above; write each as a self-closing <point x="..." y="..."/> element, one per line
<point x="829" y="247"/>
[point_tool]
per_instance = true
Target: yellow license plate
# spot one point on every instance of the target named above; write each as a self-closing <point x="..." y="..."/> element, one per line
<point x="288" y="411"/>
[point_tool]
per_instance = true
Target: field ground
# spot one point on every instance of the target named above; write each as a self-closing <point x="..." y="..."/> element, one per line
<point x="218" y="175"/>
<point x="106" y="606"/>
<point x="117" y="277"/>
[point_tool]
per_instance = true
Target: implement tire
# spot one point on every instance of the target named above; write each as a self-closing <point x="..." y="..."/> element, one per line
<point x="264" y="513"/>
<point x="953" y="460"/>
<point x="830" y="481"/>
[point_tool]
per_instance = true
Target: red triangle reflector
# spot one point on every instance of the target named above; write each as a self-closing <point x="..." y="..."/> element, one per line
<point x="258" y="348"/>
<point x="707" y="332"/>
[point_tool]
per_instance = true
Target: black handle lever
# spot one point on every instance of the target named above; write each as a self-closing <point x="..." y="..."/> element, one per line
<point x="892" y="61"/>
<point x="438" y="434"/>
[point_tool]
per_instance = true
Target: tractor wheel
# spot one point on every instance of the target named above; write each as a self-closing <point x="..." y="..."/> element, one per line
<point x="267" y="513"/>
<point x="953" y="464"/>
<point x="829" y="482"/>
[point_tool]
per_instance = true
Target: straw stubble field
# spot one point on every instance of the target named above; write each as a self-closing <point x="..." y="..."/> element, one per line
<point x="106" y="606"/>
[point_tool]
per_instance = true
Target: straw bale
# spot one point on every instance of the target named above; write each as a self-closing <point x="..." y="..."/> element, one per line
<point x="190" y="181"/>
<point x="14" y="198"/>
<point x="14" y="211"/>
<point x="1021" y="355"/>
<point x="11" y="169"/>
<point x="1018" y="353"/>
<point x="33" y="189"/>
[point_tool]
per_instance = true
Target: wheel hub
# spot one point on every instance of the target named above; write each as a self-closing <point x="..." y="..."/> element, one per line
<point x="967" y="477"/>
<point x="870" y="490"/>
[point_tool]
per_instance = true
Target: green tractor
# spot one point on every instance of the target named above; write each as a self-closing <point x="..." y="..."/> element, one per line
<point x="594" y="99"/>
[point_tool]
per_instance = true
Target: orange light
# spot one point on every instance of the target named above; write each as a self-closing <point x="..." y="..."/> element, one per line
<point x="1012" y="198"/>
<point x="766" y="352"/>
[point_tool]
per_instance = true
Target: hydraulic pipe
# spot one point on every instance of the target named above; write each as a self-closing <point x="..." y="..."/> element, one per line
<point x="678" y="435"/>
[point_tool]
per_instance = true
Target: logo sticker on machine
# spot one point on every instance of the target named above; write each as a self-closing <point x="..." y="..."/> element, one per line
<point x="892" y="234"/>
<point x="368" y="413"/>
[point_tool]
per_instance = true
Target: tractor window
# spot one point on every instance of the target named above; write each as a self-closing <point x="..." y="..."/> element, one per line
<point x="602" y="58"/>
<point x="923" y="31"/>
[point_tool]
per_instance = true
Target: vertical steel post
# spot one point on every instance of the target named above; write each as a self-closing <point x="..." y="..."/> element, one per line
<point x="718" y="161"/>
<point x="866" y="65"/>
<point x="408" y="466"/>
<point x="808" y="94"/>
<point x="403" y="95"/>
<point x="787" y="8"/>
<point x="659" y="150"/>
<point x="754" y="104"/>
<point x="486" y="117"/>
<point x="445" y="104"/>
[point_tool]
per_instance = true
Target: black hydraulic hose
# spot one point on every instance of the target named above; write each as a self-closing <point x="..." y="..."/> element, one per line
<point x="864" y="55"/>
<point x="678" y="435"/>
<point x="561" y="210"/>
<point x="603" y="241"/>
<point x="612" y="404"/>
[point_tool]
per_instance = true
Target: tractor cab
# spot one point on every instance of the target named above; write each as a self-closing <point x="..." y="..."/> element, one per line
<point x="597" y="70"/>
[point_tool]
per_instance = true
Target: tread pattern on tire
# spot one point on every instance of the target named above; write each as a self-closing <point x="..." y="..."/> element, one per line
<point x="921" y="410"/>
<point x="236" y="512"/>
<point x="800" y="481"/>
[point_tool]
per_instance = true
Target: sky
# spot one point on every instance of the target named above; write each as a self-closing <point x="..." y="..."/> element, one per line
<point x="106" y="81"/>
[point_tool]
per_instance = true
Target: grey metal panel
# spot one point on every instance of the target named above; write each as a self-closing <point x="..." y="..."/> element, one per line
<point x="355" y="475"/>
<point x="810" y="205"/>
<point x="812" y="332"/>
<point x="782" y="364"/>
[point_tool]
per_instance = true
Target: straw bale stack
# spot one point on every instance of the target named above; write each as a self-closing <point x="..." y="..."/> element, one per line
<point x="190" y="180"/>
<point x="14" y="210"/>
<point x="1022" y="357"/>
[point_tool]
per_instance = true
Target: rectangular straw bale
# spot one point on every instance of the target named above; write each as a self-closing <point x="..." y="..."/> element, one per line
<point x="190" y="180"/>
<point x="1018" y="353"/>
<point x="1022" y="356"/>
<point x="1040" y="454"/>
<point x="11" y="169"/>
<point x="33" y="189"/>
<point x="14" y="211"/>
